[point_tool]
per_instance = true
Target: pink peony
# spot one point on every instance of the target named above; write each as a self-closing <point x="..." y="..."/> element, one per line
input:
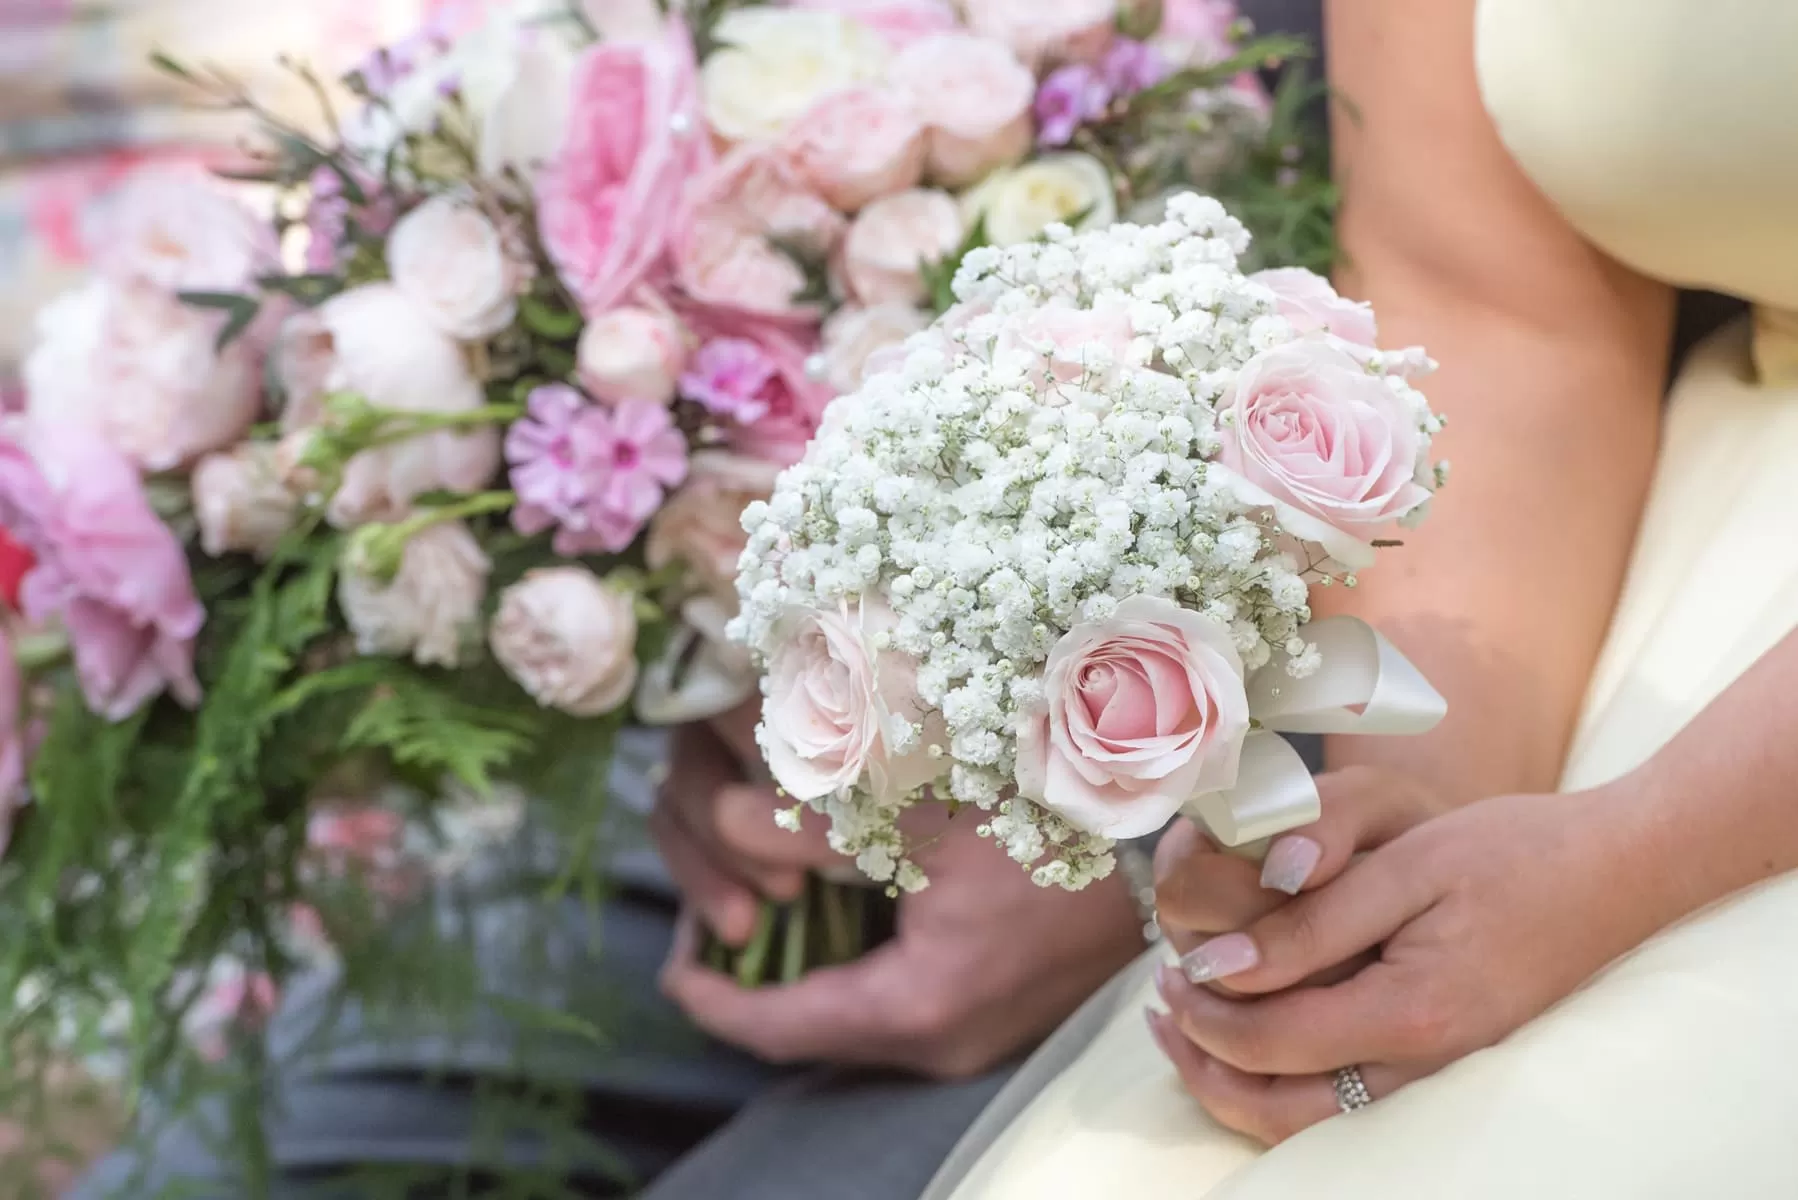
<point x="597" y="474"/>
<point x="606" y="202"/>
<point x="1311" y="305"/>
<point x="1334" y="450"/>
<point x="107" y="567"/>
<point x="740" y="225"/>
<point x="1144" y="710"/>
<point x="899" y="22"/>
<point x="974" y="98"/>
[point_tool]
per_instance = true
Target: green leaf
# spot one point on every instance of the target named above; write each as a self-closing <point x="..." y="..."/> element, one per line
<point x="1259" y="54"/>
<point x="310" y="289"/>
<point x="556" y="324"/>
<point x="939" y="276"/>
<point x="240" y="310"/>
<point x="168" y="66"/>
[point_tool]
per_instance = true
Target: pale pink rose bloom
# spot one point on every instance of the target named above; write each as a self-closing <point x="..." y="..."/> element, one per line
<point x="429" y="607"/>
<point x="301" y="361"/>
<point x="856" y="145"/>
<point x="830" y="703"/>
<point x="606" y="202"/>
<point x="1196" y="32"/>
<point x="382" y="348"/>
<point x="734" y="221"/>
<point x="856" y="342"/>
<point x="702" y="523"/>
<point x="175" y="228"/>
<point x="568" y="639"/>
<point x="1144" y="710"/>
<point x="107" y="567"/>
<point x="899" y="22"/>
<point x="1041" y="32"/>
<point x="452" y="263"/>
<point x="893" y="239"/>
<point x="1311" y="305"/>
<point x="142" y="369"/>
<point x="1330" y="447"/>
<point x="974" y="97"/>
<point x="631" y="353"/>
<point x="791" y="402"/>
<point x="1071" y="345"/>
<point x="241" y="502"/>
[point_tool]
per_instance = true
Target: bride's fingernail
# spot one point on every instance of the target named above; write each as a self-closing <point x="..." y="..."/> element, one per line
<point x="1289" y="863"/>
<point x="1221" y="957"/>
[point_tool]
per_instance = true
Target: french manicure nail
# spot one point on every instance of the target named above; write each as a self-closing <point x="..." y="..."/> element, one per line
<point x="1221" y="957"/>
<point x="1289" y="863"/>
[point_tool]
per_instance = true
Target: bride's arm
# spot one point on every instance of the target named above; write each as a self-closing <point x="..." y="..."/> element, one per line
<point x="1553" y="368"/>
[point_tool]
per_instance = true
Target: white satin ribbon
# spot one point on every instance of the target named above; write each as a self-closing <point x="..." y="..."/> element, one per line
<point x="1364" y="686"/>
<point x="699" y="675"/>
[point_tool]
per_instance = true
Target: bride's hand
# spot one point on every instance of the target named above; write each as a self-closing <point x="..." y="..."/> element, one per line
<point x="1483" y="918"/>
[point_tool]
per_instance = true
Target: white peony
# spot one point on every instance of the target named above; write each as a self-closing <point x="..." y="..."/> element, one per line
<point x="240" y="500"/>
<point x="1020" y="203"/>
<point x="450" y="261"/>
<point x="141" y="368"/>
<point x="568" y="639"/>
<point x="775" y="63"/>
<point x="430" y="606"/>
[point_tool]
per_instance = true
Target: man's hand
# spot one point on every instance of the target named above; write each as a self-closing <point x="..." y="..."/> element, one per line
<point x="984" y="962"/>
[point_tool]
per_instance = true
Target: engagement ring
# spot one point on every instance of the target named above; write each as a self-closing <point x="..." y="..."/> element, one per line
<point x="1351" y="1090"/>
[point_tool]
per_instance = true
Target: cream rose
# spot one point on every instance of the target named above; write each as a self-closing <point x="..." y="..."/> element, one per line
<point x="775" y="63"/>
<point x="973" y="96"/>
<point x="854" y="339"/>
<point x="450" y="261"/>
<point x="1311" y="305"/>
<point x="1044" y="31"/>
<point x="241" y="502"/>
<point x="1144" y="710"/>
<point x="831" y="703"/>
<point x="893" y="239"/>
<point x="631" y="354"/>
<point x="856" y="145"/>
<point x="569" y="640"/>
<point x="1019" y="204"/>
<point x="1333" y="449"/>
<point x="142" y="370"/>
<point x="430" y="606"/>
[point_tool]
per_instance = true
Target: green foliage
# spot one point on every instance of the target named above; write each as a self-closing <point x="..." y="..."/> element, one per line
<point x="1281" y="188"/>
<point x="939" y="276"/>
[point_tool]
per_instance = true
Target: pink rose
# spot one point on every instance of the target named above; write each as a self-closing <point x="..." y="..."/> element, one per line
<point x="858" y="342"/>
<point x="1311" y="305"/>
<point x="606" y="201"/>
<point x="894" y="239"/>
<point x="738" y="226"/>
<point x="1067" y="345"/>
<point x="1145" y="710"/>
<point x="141" y="368"/>
<point x="174" y="228"/>
<point x="568" y="639"/>
<point x="1044" y="31"/>
<point x="107" y="568"/>
<point x="455" y="266"/>
<point x="1333" y="449"/>
<point x="827" y="721"/>
<point x="899" y="22"/>
<point x="240" y="502"/>
<point x="1197" y="32"/>
<point x="974" y="98"/>
<point x="790" y="401"/>
<point x="701" y="525"/>
<point x="853" y="146"/>
<point x="631" y="353"/>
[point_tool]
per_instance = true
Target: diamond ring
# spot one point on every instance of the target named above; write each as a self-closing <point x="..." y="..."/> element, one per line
<point x="1351" y="1090"/>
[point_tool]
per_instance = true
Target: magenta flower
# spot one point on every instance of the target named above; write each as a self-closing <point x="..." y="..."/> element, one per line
<point x="107" y="567"/>
<point x="598" y="474"/>
<point x="1068" y="98"/>
<point x="1130" y="66"/>
<point x="731" y="376"/>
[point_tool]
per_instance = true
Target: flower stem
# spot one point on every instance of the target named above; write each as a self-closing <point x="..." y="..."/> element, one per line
<point x="752" y="964"/>
<point x="793" y="949"/>
<point x="35" y="651"/>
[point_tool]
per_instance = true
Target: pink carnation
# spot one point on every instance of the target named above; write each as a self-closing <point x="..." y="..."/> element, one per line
<point x="791" y="399"/>
<point x="107" y="567"/>
<point x="606" y="201"/>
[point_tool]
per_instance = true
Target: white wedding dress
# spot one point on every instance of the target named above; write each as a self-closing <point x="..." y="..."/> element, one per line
<point x="1667" y="131"/>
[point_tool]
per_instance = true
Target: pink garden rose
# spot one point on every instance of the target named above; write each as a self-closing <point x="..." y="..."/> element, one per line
<point x="736" y="231"/>
<point x="454" y="265"/>
<point x="973" y="96"/>
<point x="1311" y="305"/>
<point x="831" y="699"/>
<point x="899" y="22"/>
<point x="631" y="353"/>
<point x="107" y="567"/>
<point x="702" y="523"/>
<point x="606" y="201"/>
<point x="568" y="639"/>
<point x="857" y="145"/>
<point x="856" y="342"/>
<point x="1066" y="345"/>
<point x="894" y="239"/>
<point x="1040" y="32"/>
<point x="1144" y="710"/>
<point x="1332" y="449"/>
<point x="175" y="228"/>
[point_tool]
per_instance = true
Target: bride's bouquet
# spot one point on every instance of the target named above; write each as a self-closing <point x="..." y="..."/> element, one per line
<point x="1055" y="558"/>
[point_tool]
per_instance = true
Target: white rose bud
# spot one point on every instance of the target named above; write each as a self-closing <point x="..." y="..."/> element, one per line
<point x="450" y="261"/>
<point x="568" y="639"/>
<point x="631" y="354"/>
<point x="429" y="606"/>
<point x="240" y="501"/>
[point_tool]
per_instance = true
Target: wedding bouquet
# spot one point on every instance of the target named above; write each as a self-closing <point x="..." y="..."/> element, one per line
<point x="1054" y="558"/>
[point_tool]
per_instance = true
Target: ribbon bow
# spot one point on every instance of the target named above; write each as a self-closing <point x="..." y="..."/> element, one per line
<point x="1365" y="686"/>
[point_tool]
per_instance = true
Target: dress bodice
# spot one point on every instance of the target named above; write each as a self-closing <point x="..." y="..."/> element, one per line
<point x="1666" y="131"/>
